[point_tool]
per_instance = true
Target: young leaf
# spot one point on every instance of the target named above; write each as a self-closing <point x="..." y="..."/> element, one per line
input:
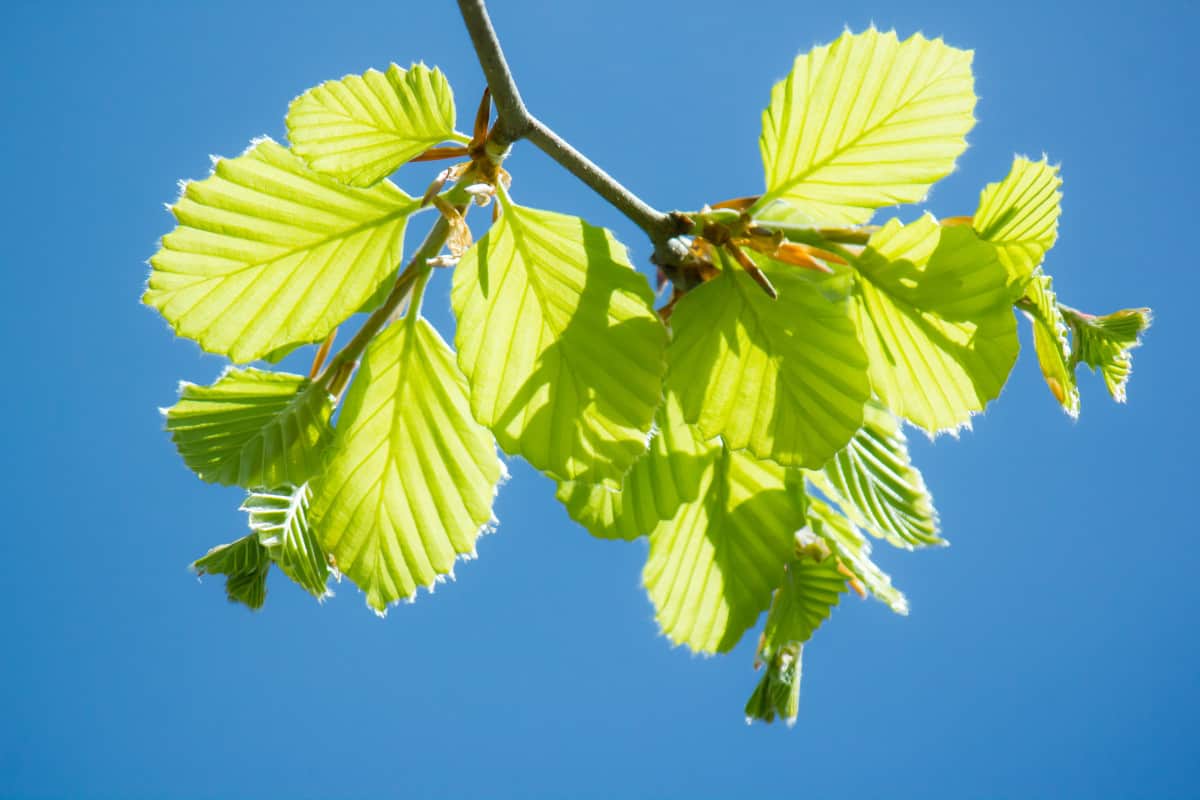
<point x="362" y="128"/>
<point x="778" y="691"/>
<point x="875" y="484"/>
<point x="245" y="564"/>
<point x="809" y="591"/>
<point x="937" y="322"/>
<point x="1020" y="216"/>
<point x="559" y="340"/>
<point x="666" y="476"/>
<point x="280" y="519"/>
<point x="1051" y="343"/>
<point x="252" y="428"/>
<point x="411" y="476"/>
<point x="785" y="379"/>
<point x="712" y="567"/>
<point x="269" y="253"/>
<point x="854" y="552"/>
<point x="865" y="122"/>
<point x="1104" y="343"/>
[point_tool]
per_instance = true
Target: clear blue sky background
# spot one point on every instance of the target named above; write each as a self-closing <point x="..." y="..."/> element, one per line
<point x="1051" y="651"/>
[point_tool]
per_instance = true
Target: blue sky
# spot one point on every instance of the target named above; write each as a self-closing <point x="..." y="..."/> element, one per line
<point x="1051" y="651"/>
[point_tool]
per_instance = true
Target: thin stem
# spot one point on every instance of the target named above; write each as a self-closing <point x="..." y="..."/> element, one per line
<point x="515" y="123"/>
<point x="337" y="374"/>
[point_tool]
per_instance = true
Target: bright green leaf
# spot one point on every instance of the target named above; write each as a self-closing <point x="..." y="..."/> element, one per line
<point x="559" y="340"/>
<point x="280" y="519"/>
<point x="666" y="476"/>
<point x="269" y="253"/>
<point x="245" y="564"/>
<point x="1019" y="215"/>
<point x="1105" y="342"/>
<point x="362" y="128"/>
<point x="785" y="379"/>
<point x="853" y="551"/>
<point x="252" y="428"/>
<point x="713" y="566"/>
<point x="1050" y="341"/>
<point x="865" y="122"/>
<point x="875" y="484"/>
<point x="411" y="476"/>
<point x="937" y="322"/>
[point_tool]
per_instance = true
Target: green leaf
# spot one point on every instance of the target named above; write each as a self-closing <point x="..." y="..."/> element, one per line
<point x="854" y="552"/>
<point x="778" y="691"/>
<point x="280" y="519"/>
<point x="785" y="379"/>
<point x="865" y="122"/>
<point x="244" y="564"/>
<point x="252" y="428"/>
<point x="936" y="319"/>
<point x="559" y="340"/>
<point x="1020" y="216"/>
<point x="362" y="128"/>
<point x="269" y="253"/>
<point x="1051" y="342"/>
<point x="809" y="591"/>
<point x="804" y="600"/>
<point x="411" y="476"/>
<point x="875" y="484"/>
<point x="713" y="566"/>
<point x="667" y="475"/>
<point x="1104" y="343"/>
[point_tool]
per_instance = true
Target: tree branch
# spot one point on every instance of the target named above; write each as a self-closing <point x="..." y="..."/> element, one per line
<point x="515" y="123"/>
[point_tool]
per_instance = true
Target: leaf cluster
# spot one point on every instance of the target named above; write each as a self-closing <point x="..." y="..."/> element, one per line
<point x="751" y="428"/>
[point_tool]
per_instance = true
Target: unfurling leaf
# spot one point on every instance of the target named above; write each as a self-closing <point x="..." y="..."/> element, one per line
<point x="252" y="428"/>
<point x="362" y="128"/>
<point x="1051" y="343"/>
<point x="280" y="519"/>
<point x="1104" y="343"/>
<point x="853" y="551"/>
<point x="1019" y="215"/>
<point x="876" y="486"/>
<point x="785" y="379"/>
<point x="411" y="475"/>
<point x="778" y="691"/>
<point x="866" y="122"/>
<point x="558" y="337"/>
<point x="245" y="564"/>
<point x="937" y="322"/>
<point x="270" y="254"/>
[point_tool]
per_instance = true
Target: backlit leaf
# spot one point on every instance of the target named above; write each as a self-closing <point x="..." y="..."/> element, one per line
<point x="269" y="253"/>
<point x="559" y="340"/>
<point x="854" y="552"/>
<point x="875" y="484"/>
<point x="1104" y="343"/>
<point x="865" y="122"/>
<point x="785" y="379"/>
<point x="713" y="566"/>
<point x="666" y="476"/>
<point x="1020" y="216"/>
<point x="937" y="322"/>
<point x="362" y="128"/>
<point x="280" y="519"/>
<point x="411" y="475"/>
<point x="1051" y="343"/>
<point x="252" y="428"/>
